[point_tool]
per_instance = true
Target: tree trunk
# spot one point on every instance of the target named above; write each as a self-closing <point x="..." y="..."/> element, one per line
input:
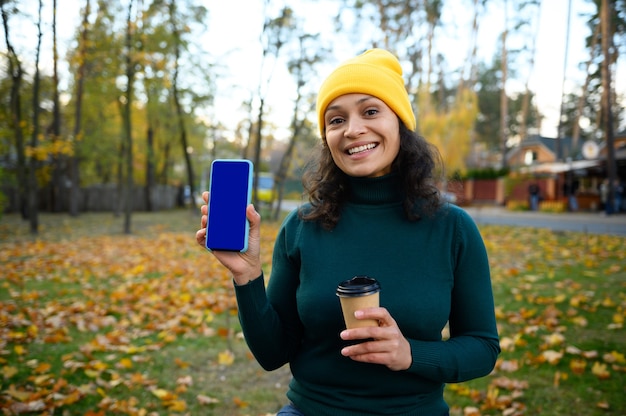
<point x="78" y="116"/>
<point x="163" y="175"/>
<point x="130" y="79"/>
<point x="150" y="177"/>
<point x="33" y="188"/>
<point x="246" y="149"/>
<point x="469" y="78"/>
<point x="526" y="97"/>
<point x="296" y="126"/>
<point x="473" y="67"/>
<point x="285" y="162"/>
<point x="121" y="195"/>
<point x="179" y="110"/>
<point x="57" y="159"/>
<point x="275" y="31"/>
<point x="583" y="92"/>
<point x="504" y="101"/>
<point x="257" y="152"/>
<point x="607" y="112"/>
<point x="16" y="73"/>
<point x="560" y="129"/>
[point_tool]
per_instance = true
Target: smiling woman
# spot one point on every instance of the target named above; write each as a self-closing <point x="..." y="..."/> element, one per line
<point x="374" y="210"/>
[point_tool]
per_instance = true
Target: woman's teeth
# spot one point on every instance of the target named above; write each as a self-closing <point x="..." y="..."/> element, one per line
<point x="360" y="149"/>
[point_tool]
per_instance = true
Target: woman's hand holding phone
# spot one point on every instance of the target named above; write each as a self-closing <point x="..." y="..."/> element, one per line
<point x="243" y="266"/>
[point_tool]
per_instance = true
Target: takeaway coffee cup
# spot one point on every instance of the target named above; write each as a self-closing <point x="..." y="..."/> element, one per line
<point x="358" y="293"/>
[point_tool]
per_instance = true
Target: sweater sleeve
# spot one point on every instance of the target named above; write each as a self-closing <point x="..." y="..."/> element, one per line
<point x="270" y="319"/>
<point x="473" y="347"/>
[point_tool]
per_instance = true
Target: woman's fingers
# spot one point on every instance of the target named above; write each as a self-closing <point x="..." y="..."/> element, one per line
<point x="387" y="346"/>
<point x="201" y="236"/>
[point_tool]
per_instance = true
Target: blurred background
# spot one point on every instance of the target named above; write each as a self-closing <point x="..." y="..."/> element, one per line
<point x="122" y="105"/>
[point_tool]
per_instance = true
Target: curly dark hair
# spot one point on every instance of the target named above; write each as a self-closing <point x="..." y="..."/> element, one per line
<point x="418" y="162"/>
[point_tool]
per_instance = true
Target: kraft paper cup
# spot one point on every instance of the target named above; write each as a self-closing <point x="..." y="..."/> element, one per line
<point x="360" y="292"/>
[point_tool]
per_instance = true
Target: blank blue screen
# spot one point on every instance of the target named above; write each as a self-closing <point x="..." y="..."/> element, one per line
<point x="227" y="227"/>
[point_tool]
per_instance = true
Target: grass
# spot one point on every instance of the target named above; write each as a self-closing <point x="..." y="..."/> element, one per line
<point x="95" y="322"/>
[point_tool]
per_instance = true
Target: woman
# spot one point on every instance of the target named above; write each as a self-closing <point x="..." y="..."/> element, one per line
<point x="374" y="210"/>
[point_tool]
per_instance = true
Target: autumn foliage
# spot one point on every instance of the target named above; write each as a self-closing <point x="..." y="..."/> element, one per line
<point x="93" y="322"/>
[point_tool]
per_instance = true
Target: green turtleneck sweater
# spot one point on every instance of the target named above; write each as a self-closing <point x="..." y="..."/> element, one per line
<point x="431" y="271"/>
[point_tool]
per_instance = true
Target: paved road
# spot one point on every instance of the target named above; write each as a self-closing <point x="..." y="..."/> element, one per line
<point x="586" y="222"/>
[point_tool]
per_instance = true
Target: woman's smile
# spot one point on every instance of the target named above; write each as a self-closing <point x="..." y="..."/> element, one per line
<point x="361" y="149"/>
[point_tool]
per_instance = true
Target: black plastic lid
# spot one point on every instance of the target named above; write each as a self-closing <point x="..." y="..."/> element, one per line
<point x="358" y="286"/>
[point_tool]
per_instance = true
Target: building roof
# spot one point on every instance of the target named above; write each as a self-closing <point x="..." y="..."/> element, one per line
<point x="549" y="143"/>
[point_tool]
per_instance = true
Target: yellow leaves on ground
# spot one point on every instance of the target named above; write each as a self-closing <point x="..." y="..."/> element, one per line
<point x="170" y="400"/>
<point x="554" y="339"/>
<point x="563" y="306"/>
<point x="226" y="358"/>
<point x="614" y="357"/>
<point x="174" y="403"/>
<point x="109" y="302"/>
<point x="600" y="370"/>
<point x="180" y="363"/>
<point x="205" y="400"/>
<point x="8" y="371"/>
<point x="240" y="403"/>
<point x="20" y="350"/>
<point x="125" y="363"/>
<point x="22" y="396"/>
<point x="551" y="356"/>
<point x="578" y="366"/>
<point x="83" y="317"/>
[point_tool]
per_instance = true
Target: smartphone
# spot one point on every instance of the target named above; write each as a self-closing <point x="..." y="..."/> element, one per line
<point x="230" y="191"/>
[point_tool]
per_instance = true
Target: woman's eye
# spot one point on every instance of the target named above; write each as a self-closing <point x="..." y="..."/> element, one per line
<point x="335" y="120"/>
<point x="371" y="112"/>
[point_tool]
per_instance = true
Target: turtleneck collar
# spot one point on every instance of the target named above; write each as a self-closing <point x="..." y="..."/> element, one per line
<point x="376" y="191"/>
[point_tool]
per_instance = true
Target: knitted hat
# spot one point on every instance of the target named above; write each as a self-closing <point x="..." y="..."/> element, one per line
<point x="376" y="72"/>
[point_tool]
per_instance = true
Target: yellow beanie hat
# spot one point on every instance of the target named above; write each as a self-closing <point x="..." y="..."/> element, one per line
<point x="376" y="72"/>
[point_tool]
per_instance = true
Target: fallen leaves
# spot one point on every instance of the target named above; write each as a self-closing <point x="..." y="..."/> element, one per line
<point x="563" y="312"/>
<point x="226" y="358"/>
<point x="109" y="302"/>
<point x="600" y="370"/>
<point x="549" y="356"/>
<point x="82" y="320"/>
<point x="206" y="400"/>
<point x="170" y="400"/>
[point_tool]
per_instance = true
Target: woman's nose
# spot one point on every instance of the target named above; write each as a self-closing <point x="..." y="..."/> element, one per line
<point x="354" y="127"/>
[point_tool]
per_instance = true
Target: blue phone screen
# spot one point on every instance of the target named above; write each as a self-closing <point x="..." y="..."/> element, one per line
<point x="230" y="190"/>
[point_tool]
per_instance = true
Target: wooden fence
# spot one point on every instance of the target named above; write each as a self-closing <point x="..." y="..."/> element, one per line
<point x="99" y="198"/>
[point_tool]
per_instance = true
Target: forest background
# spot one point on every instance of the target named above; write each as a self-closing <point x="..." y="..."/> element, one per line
<point x="133" y="102"/>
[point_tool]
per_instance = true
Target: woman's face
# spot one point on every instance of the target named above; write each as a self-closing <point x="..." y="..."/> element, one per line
<point x="363" y="135"/>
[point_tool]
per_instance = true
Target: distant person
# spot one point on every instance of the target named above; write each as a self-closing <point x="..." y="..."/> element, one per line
<point x="604" y="195"/>
<point x="180" y="196"/>
<point x="533" y="196"/>
<point x="570" y="189"/>
<point x="618" y="194"/>
<point x="374" y="209"/>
